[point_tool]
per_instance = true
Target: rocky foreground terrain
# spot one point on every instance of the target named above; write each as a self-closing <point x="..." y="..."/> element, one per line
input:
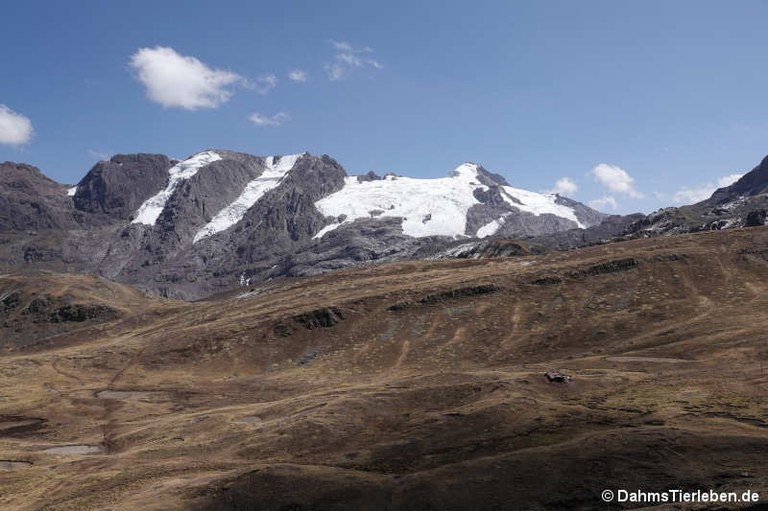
<point x="413" y="385"/>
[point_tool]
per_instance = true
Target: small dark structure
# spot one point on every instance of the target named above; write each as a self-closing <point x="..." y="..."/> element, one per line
<point x="557" y="377"/>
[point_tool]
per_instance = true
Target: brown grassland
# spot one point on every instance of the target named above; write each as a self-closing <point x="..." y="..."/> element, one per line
<point x="416" y="385"/>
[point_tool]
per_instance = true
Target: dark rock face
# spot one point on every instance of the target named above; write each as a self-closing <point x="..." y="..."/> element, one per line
<point x="756" y="218"/>
<point x="753" y="183"/>
<point x="287" y="214"/>
<point x="31" y="201"/>
<point x="119" y="186"/>
<point x="526" y="224"/>
<point x="586" y="216"/>
<point x="481" y="214"/>
<point x="611" y="228"/>
<point x="370" y="176"/>
<point x="489" y="178"/>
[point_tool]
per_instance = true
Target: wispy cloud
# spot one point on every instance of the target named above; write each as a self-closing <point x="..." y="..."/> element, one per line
<point x="264" y="84"/>
<point x="565" y="186"/>
<point x="603" y="203"/>
<point x="98" y="155"/>
<point x="691" y="195"/>
<point x="269" y="120"/>
<point x="15" y="128"/>
<point x="298" y="75"/>
<point x="347" y="58"/>
<point x="728" y="180"/>
<point x="342" y="46"/>
<point x="178" y="81"/>
<point x="616" y="180"/>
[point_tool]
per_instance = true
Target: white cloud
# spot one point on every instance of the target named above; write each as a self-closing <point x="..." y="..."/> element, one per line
<point x="298" y="75"/>
<point x="15" y="129"/>
<point x="604" y="202"/>
<point x="273" y="120"/>
<point x="728" y="180"/>
<point x="687" y="195"/>
<point x="347" y="58"/>
<point x="615" y="179"/>
<point x="342" y="46"/>
<point x="174" y="80"/>
<point x="565" y="186"/>
<point x="98" y="155"/>
<point x="264" y="84"/>
<point x="691" y="195"/>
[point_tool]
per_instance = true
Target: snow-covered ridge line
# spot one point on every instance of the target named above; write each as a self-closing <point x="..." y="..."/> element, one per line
<point x="429" y="207"/>
<point x="538" y="203"/>
<point x="274" y="172"/>
<point x="149" y="212"/>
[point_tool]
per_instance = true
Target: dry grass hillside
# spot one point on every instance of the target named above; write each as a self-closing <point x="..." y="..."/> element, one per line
<point x="416" y="385"/>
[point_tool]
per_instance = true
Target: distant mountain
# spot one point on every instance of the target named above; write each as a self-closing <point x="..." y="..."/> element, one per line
<point x="742" y="204"/>
<point x="190" y="228"/>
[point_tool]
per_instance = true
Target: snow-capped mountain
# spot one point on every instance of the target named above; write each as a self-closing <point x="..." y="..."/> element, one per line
<point x="441" y="207"/>
<point x="191" y="227"/>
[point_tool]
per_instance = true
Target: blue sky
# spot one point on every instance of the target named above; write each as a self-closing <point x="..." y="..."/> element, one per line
<point x="638" y="104"/>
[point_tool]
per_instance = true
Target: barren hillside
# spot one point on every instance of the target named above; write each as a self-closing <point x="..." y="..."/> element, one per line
<point x="416" y="385"/>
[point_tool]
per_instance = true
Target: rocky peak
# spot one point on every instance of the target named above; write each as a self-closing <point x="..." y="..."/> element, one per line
<point x="489" y="178"/>
<point x="30" y="201"/>
<point x="754" y="182"/>
<point x="27" y="179"/>
<point x="119" y="186"/>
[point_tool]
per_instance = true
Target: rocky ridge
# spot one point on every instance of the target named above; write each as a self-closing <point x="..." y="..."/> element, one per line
<point x="194" y="227"/>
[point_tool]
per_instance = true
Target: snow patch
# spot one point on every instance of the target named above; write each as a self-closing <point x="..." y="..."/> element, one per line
<point x="538" y="203"/>
<point x="328" y="228"/>
<point x="445" y="201"/>
<point x="456" y="252"/>
<point x="72" y="191"/>
<point x="149" y="212"/>
<point x="430" y="207"/>
<point x="275" y="169"/>
<point x="491" y="227"/>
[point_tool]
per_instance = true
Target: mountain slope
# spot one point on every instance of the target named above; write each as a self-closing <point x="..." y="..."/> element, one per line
<point x="31" y="201"/>
<point x="454" y="206"/>
<point x="414" y="385"/>
<point x="193" y="227"/>
<point x="742" y="204"/>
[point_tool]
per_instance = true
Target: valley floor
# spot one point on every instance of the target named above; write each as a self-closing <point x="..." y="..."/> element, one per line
<point x="417" y="385"/>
